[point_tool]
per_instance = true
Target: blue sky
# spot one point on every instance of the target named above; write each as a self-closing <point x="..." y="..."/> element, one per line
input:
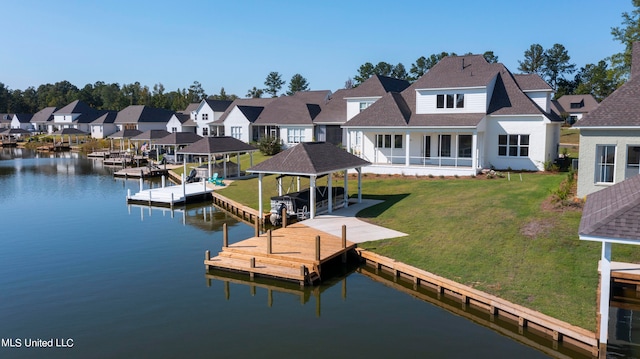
<point x="235" y="44"/>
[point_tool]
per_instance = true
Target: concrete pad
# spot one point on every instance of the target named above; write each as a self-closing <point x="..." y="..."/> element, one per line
<point x="358" y="231"/>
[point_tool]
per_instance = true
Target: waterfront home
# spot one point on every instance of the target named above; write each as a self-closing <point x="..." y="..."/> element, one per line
<point x="462" y="116"/>
<point x="22" y="121"/>
<point x="237" y="120"/>
<point x="42" y="120"/>
<point x="5" y="120"/>
<point x="142" y="118"/>
<point x="573" y="107"/>
<point x="610" y="136"/>
<point x="290" y="118"/>
<point x="206" y="113"/>
<point x="104" y="126"/>
<point x="344" y="104"/>
<point x="184" y="121"/>
<point x="77" y="115"/>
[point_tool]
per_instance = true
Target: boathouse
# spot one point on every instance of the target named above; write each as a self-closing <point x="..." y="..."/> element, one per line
<point x="312" y="160"/>
<point x="611" y="215"/>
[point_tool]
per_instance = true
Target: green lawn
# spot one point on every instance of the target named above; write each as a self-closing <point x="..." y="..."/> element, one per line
<point x="495" y="235"/>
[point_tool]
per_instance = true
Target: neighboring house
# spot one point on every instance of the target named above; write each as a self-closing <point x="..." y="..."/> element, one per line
<point x="184" y="121"/>
<point x="22" y="121"/>
<point x="344" y="104"/>
<point x="237" y="121"/>
<point x="291" y="117"/>
<point x="610" y="136"/>
<point x="207" y="112"/>
<point x="104" y="125"/>
<point x="142" y="118"/>
<point x="77" y="115"/>
<point x="573" y="107"/>
<point x="5" y="120"/>
<point x="462" y="116"/>
<point x="42" y="120"/>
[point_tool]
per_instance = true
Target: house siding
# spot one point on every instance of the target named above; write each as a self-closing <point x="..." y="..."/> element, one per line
<point x="307" y="132"/>
<point x="589" y="139"/>
<point x="353" y="105"/>
<point x="237" y="119"/>
<point x="541" y="99"/>
<point x="538" y="150"/>
<point x="475" y="101"/>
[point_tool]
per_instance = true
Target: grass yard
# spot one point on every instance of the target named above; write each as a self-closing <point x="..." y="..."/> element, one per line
<point x="499" y="236"/>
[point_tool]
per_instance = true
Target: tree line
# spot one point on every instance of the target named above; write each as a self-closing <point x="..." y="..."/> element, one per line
<point x="552" y="64"/>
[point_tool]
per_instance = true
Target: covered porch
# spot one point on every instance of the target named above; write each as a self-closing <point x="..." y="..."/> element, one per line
<point x="419" y="152"/>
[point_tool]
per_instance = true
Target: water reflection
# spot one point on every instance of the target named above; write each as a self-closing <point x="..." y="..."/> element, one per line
<point x="203" y="216"/>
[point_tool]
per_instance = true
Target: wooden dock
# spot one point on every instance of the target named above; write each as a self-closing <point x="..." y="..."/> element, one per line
<point x="241" y="212"/>
<point x="552" y="328"/>
<point x="171" y="195"/>
<point x="295" y="253"/>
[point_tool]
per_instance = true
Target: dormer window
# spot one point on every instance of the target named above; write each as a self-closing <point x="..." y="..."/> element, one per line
<point x="364" y="105"/>
<point x="577" y="104"/>
<point x="449" y="100"/>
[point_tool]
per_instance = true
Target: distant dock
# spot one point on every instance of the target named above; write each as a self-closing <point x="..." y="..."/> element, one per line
<point x="171" y="195"/>
<point x="141" y="172"/>
<point x="295" y="253"/>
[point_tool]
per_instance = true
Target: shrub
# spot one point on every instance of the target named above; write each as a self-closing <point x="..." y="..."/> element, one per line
<point x="269" y="146"/>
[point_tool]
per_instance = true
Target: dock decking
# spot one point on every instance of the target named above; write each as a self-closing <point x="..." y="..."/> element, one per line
<point x="295" y="252"/>
<point x="141" y="172"/>
<point x="171" y="195"/>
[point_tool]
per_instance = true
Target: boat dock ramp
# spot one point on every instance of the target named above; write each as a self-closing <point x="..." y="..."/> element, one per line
<point x="295" y="253"/>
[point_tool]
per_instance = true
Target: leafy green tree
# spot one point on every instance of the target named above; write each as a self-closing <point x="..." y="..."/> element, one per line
<point x="597" y="80"/>
<point x="627" y="35"/>
<point x="534" y="60"/>
<point x="297" y="83"/>
<point x="383" y="69"/>
<point x="424" y="64"/>
<point x="223" y="96"/>
<point x="158" y="97"/>
<point x="399" y="72"/>
<point x="274" y="83"/>
<point x="556" y="64"/>
<point x="196" y="93"/>
<point x="365" y="71"/>
<point x="255" y="93"/>
<point x="490" y="57"/>
<point x="4" y="98"/>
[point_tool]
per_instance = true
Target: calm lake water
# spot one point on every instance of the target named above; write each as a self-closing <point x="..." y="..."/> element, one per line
<point x="106" y="280"/>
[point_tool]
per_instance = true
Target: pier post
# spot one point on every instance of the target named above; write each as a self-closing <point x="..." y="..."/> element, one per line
<point x="252" y="264"/>
<point x="269" y="242"/>
<point x="284" y="218"/>
<point x="344" y="243"/>
<point x="317" y="248"/>
<point x="207" y="257"/>
<point x="163" y="181"/>
<point x="225" y="236"/>
<point x="257" y="228"/>
<point x="128" y="193"/>
<point x="141" y="184"/>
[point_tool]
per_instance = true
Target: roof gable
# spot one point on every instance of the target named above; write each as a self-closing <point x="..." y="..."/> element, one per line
<point x="142" y="113"/>
<point x="458" y="71"/>
<point x="76" y="106"/>
<point x="377" y="86"/>
<point x="310" y="158"/>
<point x="44" y="115"/>
<point x="390" y="110"/>
<point x="621" y="108"/>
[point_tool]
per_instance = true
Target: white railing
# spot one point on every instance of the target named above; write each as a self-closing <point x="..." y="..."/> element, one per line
<point x="425" y="161"/>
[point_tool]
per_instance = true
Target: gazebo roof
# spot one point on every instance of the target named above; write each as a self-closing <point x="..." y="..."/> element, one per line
<point x="613" y="213"/>
<point x="70" y="131"/>
<point x="125" y="134"/>
<point x="221" y="144"/>
<point x="151" y="135"/>
<point x="310" y="158"/>
<point x="178" y="138"/>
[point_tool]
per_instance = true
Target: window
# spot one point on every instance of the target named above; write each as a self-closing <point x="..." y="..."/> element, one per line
<point x="205" y="131"/>
<point x="605" y="162"/>
<point x="236" y="132"/>
<point x="174" y="129"/>
<point x="451" y="99"/>
<point x="513" y="145"/>
<point x="444" y="146"/>
<point x="633" y="156"/>
<point x="464" y="146"/>
<point x="295" y="135"/>
<point x="577" y="104"/>
<point x="384" y="141"/>
<point x="205" y="117"/>
<point x="427" y="146"/>
<point x="364" y="105"/>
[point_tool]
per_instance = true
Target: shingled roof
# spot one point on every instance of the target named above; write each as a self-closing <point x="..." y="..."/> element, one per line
<point x="178" y="138"/>
<point x="310" y="158"/>
<point x="220" y="144"/>
<point x="44" y="115"/>
<point x="258" y="103"/>
<point x="288" y="110"/>
<point x="142" y="113"/>
<point x="378" y="85"/>
<point x="613" y="212"/>
<point x="620" y="109"/>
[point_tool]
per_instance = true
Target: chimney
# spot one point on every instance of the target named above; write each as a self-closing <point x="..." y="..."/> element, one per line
<point x="635" y="59"/>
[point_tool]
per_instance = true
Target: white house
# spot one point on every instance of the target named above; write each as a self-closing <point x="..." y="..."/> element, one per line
<point x="574" y="107"/>
<point x="77" y="115"/>
<point x="22" y="121"/>
<point x="237" y="120"/>
<point x="206" y="113"/>
<point x="184" y="121"/>
<point x="142" y="118"/>
<point x="103" y="126"/>
<point x="344" y="104"/>
<point x="463" y="115"/>
<point x="610" y="136"/>
<point x="42" y="120"/>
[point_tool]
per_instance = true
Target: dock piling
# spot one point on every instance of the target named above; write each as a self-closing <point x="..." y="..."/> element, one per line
<point x="225" y="236"/>
<point x="317" y="248"/>
<point x="207" y="257"/>
<point x="269" y="242"/>
<point x="284" y="217"/>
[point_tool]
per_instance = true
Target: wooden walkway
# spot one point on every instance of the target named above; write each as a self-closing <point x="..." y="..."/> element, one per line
<point x="295" y="253"/>
<point x="556" y="330"/>
<point x="241" y="212"/>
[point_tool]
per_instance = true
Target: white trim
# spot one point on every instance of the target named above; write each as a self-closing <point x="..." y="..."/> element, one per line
<point x="450" y="88"/>
<point x="362" y="98"/>
<point x="609" y="240"/>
